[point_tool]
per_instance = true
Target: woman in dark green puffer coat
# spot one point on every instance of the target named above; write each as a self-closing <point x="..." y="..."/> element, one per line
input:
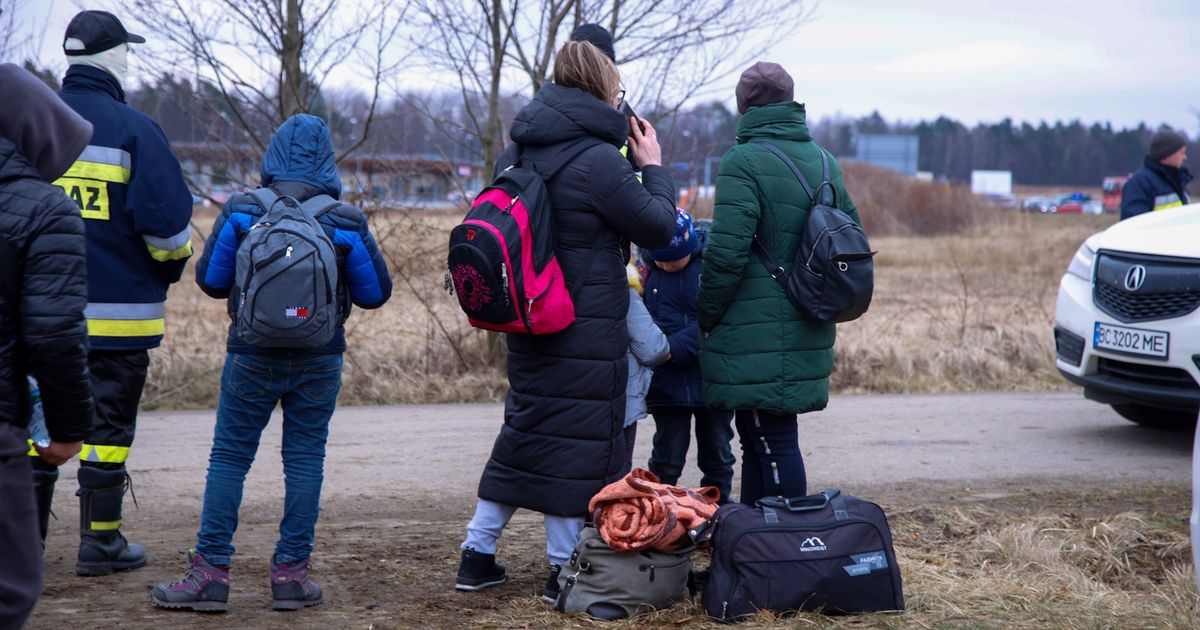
<point x="758" y="356"/>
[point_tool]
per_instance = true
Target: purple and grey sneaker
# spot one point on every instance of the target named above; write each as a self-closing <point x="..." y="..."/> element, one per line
<point x="291" y="587"/>
<point x="203" y="587"/>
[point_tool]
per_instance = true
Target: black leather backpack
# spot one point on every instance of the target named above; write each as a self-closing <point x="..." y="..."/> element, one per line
<point x="833" y="274"/>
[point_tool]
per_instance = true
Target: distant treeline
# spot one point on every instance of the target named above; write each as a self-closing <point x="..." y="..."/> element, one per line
<point x="1068" y="153"/>
<point x="432" y="124"/>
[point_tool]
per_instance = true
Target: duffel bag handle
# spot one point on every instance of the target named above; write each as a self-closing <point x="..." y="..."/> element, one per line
<point x="802" y="504"/>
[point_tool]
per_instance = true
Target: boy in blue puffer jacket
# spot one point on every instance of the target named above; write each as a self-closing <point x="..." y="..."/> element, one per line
<point x="672" y="282"/>
<point x="298" y="163"/>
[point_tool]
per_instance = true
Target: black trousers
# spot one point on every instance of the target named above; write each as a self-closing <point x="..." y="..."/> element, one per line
<point x="772" y="465"/>
<point x="20" y="547"/>
<point x="117" y="377"/>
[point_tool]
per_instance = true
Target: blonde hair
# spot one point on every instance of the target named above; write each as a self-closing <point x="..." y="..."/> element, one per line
<point x="582" y="65"/>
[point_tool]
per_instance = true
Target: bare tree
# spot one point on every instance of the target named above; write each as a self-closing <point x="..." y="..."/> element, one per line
<point x="270" y="58"/>
<point x="17" y="41"/>
<point x="670" y="49"/>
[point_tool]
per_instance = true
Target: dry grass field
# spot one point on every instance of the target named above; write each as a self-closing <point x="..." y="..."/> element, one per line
<point x="966" y="311"/>
<point x="964" y="301"/>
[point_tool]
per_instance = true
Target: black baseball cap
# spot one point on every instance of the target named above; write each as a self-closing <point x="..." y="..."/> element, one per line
<point x="99" y="31"/>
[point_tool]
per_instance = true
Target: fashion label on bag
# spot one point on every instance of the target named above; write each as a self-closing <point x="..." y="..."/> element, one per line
<point x="827" y="552"/>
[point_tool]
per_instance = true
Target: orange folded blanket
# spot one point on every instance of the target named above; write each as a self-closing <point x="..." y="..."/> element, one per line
<point x="639" y="512"/>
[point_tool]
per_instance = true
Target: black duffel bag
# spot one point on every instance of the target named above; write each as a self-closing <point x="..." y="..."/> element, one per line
<point x="827" y="552"/>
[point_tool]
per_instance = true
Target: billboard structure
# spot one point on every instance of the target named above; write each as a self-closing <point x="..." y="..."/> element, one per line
<point x="890" y="151"/>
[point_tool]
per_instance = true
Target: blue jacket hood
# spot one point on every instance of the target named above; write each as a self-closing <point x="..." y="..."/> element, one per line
<point x="301" y="151"/>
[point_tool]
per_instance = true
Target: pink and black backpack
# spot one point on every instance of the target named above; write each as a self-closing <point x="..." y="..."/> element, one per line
<point x="502" y="262"/>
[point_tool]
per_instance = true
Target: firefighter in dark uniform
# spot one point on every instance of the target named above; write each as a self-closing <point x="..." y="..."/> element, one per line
<point x="137" y="211"/>
<point x="1162" y="181"/>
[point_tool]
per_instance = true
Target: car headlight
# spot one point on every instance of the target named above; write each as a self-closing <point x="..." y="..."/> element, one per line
<point x="1081" y="263"/>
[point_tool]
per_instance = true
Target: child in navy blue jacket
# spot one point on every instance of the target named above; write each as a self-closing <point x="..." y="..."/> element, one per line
<point x="672" y="281"/>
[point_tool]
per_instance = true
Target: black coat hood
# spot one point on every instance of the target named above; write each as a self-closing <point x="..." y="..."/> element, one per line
<point x="560" y="115"/>
<point x="44" y="129"/>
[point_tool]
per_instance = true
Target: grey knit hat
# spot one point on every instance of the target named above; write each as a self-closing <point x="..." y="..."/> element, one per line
<point x="1164" y="144"/>
<point x="764" y="83"/>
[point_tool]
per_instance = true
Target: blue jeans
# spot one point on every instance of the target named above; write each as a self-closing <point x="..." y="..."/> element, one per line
<point x="491" y="518"/>
<point x="771" y="462"/>
<point x="251" y="385"/>
<point x="714" y="455"/>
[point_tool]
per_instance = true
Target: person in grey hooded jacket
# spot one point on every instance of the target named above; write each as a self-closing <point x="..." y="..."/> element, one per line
<point x="648" y="347"/>
<point x="43" y="292"/>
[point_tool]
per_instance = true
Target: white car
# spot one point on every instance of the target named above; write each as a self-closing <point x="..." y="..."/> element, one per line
<point x="1126" y="326"/>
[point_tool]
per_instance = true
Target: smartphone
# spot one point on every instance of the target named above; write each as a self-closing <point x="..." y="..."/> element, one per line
<point x="628" y="111"/>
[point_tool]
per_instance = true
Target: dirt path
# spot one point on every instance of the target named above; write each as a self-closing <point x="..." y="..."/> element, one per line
<point x="400" y="483"/>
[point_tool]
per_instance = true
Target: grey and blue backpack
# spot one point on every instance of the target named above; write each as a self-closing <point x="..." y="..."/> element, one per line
<point x="287" y="274"/>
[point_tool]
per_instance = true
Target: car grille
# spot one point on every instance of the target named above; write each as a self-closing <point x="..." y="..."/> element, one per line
<point x="1138" y="307"/>
<point x="1155" y="375"/>
<point x="1171" y="287"/>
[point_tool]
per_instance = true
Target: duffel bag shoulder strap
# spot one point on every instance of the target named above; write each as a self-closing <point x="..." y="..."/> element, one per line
<point x="837" y="501"/>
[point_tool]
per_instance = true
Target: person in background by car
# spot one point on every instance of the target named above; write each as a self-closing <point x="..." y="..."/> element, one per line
<point x="43" y="292"/>
<point x="1162" y="181"/>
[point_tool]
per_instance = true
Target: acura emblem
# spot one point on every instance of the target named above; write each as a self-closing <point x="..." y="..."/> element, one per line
<point x="1135" y="277"/>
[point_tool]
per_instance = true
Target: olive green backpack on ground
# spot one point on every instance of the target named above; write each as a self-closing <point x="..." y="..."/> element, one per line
<point x="610" y="584"/>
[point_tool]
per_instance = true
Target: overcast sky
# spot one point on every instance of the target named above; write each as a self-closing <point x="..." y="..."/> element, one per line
<point x="1124" y="61"/>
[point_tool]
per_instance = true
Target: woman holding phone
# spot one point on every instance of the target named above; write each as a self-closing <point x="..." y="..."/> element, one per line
<point x="562" y="437"/>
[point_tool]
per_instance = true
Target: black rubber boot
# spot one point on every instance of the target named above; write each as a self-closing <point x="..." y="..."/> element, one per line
<point x="43" y="488"/>
<point x="102" y="548"/>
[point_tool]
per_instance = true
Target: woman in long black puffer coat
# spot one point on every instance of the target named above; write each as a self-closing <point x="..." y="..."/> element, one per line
<point x="562" y="438"/>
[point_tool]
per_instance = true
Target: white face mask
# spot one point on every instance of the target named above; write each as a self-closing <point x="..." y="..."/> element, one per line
<point x="114" y="61"/>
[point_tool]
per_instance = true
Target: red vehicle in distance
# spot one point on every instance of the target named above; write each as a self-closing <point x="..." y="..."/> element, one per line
<point x="1070" y="203"/>
<point x="1112" y="192"/>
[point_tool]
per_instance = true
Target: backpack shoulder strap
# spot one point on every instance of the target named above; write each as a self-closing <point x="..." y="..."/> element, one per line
<point x="265" y="197"/>
<point x="318" y="205"/>
<point x="10" y="271"/>
<point x="777" y="272"/>
<point x="793" y="168"/>
<point x="826" y="190"/>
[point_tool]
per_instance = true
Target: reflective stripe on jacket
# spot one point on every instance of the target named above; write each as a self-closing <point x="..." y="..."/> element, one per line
<point x="137" y="209"/>
<point x="1153" y="187"/>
